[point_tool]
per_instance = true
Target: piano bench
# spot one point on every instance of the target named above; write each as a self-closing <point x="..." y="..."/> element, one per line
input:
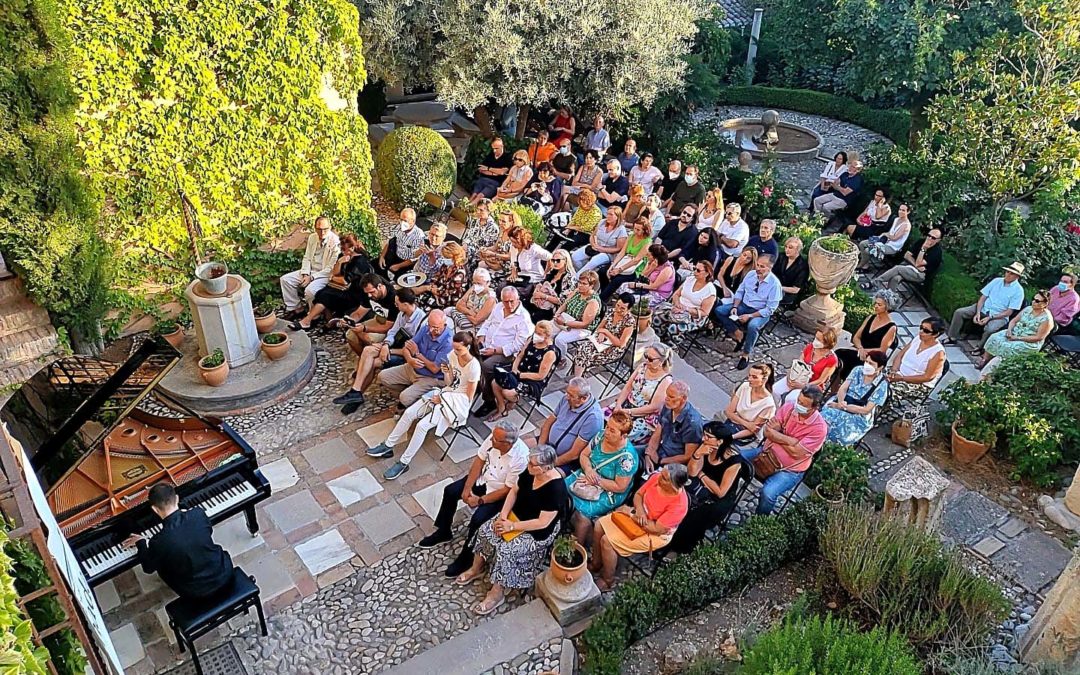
<point x="190" y="619"/>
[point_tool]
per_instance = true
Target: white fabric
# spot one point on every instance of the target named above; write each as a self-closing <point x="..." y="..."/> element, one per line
<point x="290" y="289"/>
<point x="689" y="299"/>
<point x="739" y="231"/>
<point x="452" y="411"/>
<point x="320" y="256"/>
<point x="832" y="173"/>
<point x="914" y="362"/>
<point x="706" y="222"/>
<point x="568" y="335"/>
<point x="897" y="226"/>
<point x="506" y="334"/>
<point x="530" y="262"/>
<point x="502" y="470"/>
<point x="751" y="410"/>
<point x="646" y="178"/>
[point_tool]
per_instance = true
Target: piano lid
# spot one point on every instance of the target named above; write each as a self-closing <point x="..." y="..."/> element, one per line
<point x="67" y="408"/>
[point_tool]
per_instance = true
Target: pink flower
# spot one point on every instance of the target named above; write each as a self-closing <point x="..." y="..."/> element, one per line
<point x="782" y="202"/>
<point x="766" y="191"/>
<point x="794" y="220"/>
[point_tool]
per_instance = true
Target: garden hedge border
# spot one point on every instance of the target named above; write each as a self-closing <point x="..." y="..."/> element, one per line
<point x="893" y="124"/>
<point x="712" y="571"/>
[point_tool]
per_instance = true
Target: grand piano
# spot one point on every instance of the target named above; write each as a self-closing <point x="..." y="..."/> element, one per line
<point x="86" y="425"/>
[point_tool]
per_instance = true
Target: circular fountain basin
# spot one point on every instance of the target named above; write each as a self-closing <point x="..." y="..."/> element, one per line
<point x="797" y="143"/>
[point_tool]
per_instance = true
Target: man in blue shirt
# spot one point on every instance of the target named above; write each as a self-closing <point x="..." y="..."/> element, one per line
<point x="613" y="189"/>
<point x="763" y="242"/>
<point x="628" y="159"/>
<point x="844" y="193"/>
<point x="424" y="356"/>
<point x="680" y="430"/>
<point x="749" y="310"/>
<point x="997" y="302"/>
<point x="577" y="419"/>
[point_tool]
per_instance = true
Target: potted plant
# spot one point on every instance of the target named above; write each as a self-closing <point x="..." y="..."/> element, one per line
<point x="643" y="313"/>
<point x="568" y="560"/>
<point x="265" y="318"/>
<point x="213" y="277"/>
<point x="213" y="368"/>
<point x="971" y="409"/>
<point x="169" y="329"/>
<point x="840" y="473"/>
<point x="275" y="345"/>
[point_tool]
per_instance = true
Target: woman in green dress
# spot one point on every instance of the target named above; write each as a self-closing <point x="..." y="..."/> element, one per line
<point x="1026" y="332"/>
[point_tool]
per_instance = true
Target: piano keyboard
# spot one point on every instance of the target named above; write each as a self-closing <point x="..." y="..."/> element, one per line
<point x="117" y="554"/>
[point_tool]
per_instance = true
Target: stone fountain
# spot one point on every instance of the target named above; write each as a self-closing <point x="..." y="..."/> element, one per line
<point x="770" y="135"/>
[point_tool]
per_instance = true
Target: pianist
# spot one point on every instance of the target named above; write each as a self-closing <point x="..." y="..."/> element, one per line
<point x="183" y="552"/>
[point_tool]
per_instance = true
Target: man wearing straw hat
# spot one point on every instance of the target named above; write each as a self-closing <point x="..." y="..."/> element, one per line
<point x="997" y="302"/>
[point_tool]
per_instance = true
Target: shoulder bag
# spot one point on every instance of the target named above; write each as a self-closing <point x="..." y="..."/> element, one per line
<point x="766" y="463"/>
<point x="591" y="493"/>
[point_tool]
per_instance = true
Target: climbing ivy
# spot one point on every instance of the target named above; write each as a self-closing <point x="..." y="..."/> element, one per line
<point x="17" y="651"/>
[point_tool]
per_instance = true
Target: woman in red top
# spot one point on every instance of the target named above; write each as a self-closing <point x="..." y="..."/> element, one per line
<point x="821" y="359"/>
<point x="563" y="126"/>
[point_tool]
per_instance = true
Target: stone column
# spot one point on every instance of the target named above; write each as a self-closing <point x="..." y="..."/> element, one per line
<point x="1054" y="633"/>
<point x="918" y="488"/>
<point x="1064" y="511"/>
<point x="225" y="321"/>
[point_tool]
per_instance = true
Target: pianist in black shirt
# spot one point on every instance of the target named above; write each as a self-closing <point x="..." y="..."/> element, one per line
<point x="183" y="553"/>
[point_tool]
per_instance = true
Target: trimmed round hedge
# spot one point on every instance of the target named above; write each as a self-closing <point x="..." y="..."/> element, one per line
<point x="413" y="161"/>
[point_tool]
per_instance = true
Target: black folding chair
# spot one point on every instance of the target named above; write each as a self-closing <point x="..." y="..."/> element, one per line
<point x="537" y="401"/>
<point x="456" y="431"/>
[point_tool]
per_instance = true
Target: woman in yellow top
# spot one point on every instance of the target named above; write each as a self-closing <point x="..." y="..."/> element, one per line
<point x="583" y="223"/>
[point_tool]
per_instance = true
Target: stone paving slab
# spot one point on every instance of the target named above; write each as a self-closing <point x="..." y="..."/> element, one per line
<point x="269" y="572"/>
<point x="295" y="511"/>
<point x="107" y="596"/>
<point x="1034" y="560"/>
<point x="430" y="498"/>
<point x="234" y="537"/>
<point x="281" y="474"/>
<point x="970" y="516"/>
<point x="329" y="455"/>
<point x="324" y="552"/>
<point x="128" y="645"/>
<point x="374" y="434"/>
<point x="384" y="522"/>
<point x="355" y="486"/>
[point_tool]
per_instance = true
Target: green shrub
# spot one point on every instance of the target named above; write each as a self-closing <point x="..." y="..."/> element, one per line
<point x="841" y="471"/>
<point x="413" y="161"/>
<point x="698" y="144"/>
<point x="263" y="269"/>
<point x="892" y="124"/>
<point x="805" y="226"/>
<point x="763" y="196"/>
<point x="478" y="149"/>
<point x="952" y="287"/>
<point x="530" y="219"/>
<point x="829" y="646"/>
<point x="906" y="580"/>
<point x="713" y="570"/>
<point x="857" y="304"/>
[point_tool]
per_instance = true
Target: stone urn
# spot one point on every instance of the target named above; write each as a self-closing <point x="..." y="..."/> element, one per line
<point x="830" y="269"/>
<point x="213" y="277"/>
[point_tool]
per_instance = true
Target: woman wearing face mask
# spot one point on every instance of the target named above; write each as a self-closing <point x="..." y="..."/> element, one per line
<point x="588" y="176"/>
<point x="449" y="281"/>
<point x="851" y="414"/>
<point x="481" y="231"/>
<point x="473" y="309"/>
<point x="529" y="374"/>
<point x="821" y="361"/>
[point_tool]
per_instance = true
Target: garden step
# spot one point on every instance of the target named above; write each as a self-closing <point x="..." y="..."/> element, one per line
<point x="19" y="314"/>
<point x="27" y="345"/>
<point x="10" y="287"/>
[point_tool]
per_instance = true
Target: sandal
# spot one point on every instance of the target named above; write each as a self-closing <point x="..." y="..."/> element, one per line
<point x="496" y="416"/>
<point x="481" y="610"/>
<point x="297" y="326"/>
<point x="464" y="579"/>
<point x="603" y="584"/>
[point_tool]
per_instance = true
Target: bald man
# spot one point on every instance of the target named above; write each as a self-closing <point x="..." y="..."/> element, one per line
<point x="322" y="251"/>
<point x="424" y="356"/>
<point x="400" y="253"/>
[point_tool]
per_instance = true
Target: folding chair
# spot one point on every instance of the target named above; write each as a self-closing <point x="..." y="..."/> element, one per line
<point x="537" y="401"/>
<point x="556" y="223"/>
<point x="692" y="338"/>
<point x="1068" y="346"/>
<point x="456" y="431"/>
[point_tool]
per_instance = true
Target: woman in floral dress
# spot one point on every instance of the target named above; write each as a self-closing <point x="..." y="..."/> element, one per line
<point x="475" y="306"/>
<point x="481" y="231"/>
<point x="615" y="331"/>
<point x="643" y="394"/>
<point x="1026" y="332"/>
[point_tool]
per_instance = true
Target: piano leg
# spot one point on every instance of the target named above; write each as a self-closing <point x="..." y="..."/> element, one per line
<point x="252" y="520"/>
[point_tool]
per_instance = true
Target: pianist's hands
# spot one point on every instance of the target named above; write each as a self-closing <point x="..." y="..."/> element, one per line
<point x="132" y="541"/>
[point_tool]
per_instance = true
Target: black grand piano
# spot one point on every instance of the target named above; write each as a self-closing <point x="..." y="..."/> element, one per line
<point x="97" y="452"/>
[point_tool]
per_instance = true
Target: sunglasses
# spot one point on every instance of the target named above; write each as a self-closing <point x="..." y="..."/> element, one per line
<point x="925" y="330"/>
<point x="1041" y="301"/>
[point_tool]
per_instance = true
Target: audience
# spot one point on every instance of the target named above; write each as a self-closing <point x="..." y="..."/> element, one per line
<point x="792" y="270"/>
<point x="481" y="230"/>
<point x="431" y="253"/>
<point x="844" y="191"/>
<point x="691" y="305"/>
<point x="423" y="355"/>
<point x="474" y="307"/>
<point x="491" y="172"/>
<point x="921" y="262"/>
<point x="851" y="414"/>
<point x="630" y="261"/>
<point x="545" y="193"/>
<point x="733" y="230"/>
<point x="747" y="312"/>
<point x="606" y="241"/>
<point x="500" y="338"/>
<point x="645" y="174"/>
<point x="1064" y="301"/>
<point x="320" y="255"/>
<point x="527" y="260"/>
<point x="583" y="221"/>
<point x="709" y="216"/>
<point x="679" y="433"/>
<point x="376" y="314"/>
<point x="829" y="177"/>
<point x="705" y="248"/>
<point x="1026" y="332"/>
<point x="587" y="177"/>
<point x="614" y="188"/>
<point x="655" y="282"/>
<point x="752" y="404"/>
<point x="997" y="302"/>
<point x="680" y="234"/>
<point x="628" y="158"/>
<point x="877" y="331"/>
<point x="815" y="367"/>
<point x="541" y="151"/>
<point x="915" y="370"/>
<point x="671" y="181"/>
<point x="763" y="242"/>
<point x="559" y="282"/>
<point x="564" y="163"/>
<point x="342" y="294"/>
<point x="598" y="140"/>
<point x="576" y="420"/>
<point x="607" y="471"/>
<point x="635" y="205"/>
<point x="528" y="374"/>
<point x="889" y="243"/>
<point x="448" y="282"/>
<point x="402" y="250"/>
<point x="643" y="394"/>
<point x="563" y="127"/>
<point x="874" y="219"/>
<point x="686" y="192"/>
<point x="733" y="270"/>
<point x="608" y="342"/>
<point x="579" y="314"/>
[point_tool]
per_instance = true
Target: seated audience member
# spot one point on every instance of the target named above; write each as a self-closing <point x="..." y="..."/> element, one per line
<point x="608" y="467"/>
<point x="604" y="243"/>
<point x="660" y="506"/>
<point x="342" y="294"/>
<point x="877" y="331"/>
<point x="1064" y="301"/>
<point x="563" y="127"/>
<point x="608" y="342"/>
<point x="733" y="270"/>
<point x="733" y="230"/>
<point x="631" y="259"/>
<point x="491" y="173"/>
<point x="708" y="218"/>
<point x="655" y="282"/>
<point x="691" y="305"/>
<point x="921" y="262"/>
<point x="815" y="367"/>
<point x="183" y="551"/>
<point x="717" y="474"/>
<point x="643" y="394"/>
<point x="851" y="414"/>
<point x="500" y="338"/>
<point x="672" y="180"/>
<point x="517" y="179"/>
<point x="563" y="163"/>
<point x="679" y="433"/>
<point x="792" y="438"/>
<point x="401" y="251"/>
<point x="496" y="257"/>
<point x="888" y="243"/>
<point x="579" y="314"/>
<point x="752" y="404"/>
<point x="634" y="205"/>
<point x="1027" y="332"/>
<point x="577" y="419"/>
<point x="614" y="188"/>
<point x="829" y="177"/>
<point x="874" y="220"/>
<point x="679" y="235"/>
<point x="588" y="177"/>
<point x="440" y="409"/>
<point x="423" y="355"/>
<point x="528" y="374"/>
<point x="491" y="476"/>
<point x="541" y="150"/>
<point x="792" y="270"/>
<point x="916" y="368"/>
<point x="653" y="213"/>
<point x="645" y="174"/>
<point x="407" y="326"/>
<point x="628" y="158"/>
<point x="763" y="242"/>
<point x="474" y="307"/>
<point x="559" y="282"/>
<point x="515" y="543"/>
<point x="376" y="315"/>
<point x="743" y="317"/>
<point x="544" y="193"/>
<point x="527" y="260"/>
<point x="321" y="253"/>
<point x="481" y="230"/>
<point x="998" y="301"/>
<point x="431" y="252"/>
<point x="449" y="280"/>
<point x="706" y="248"/>
<point x="845" y="190"/>
<point x="598" y="139"/>
<point x="688" y="191"/>
<point x="583" y="222"/>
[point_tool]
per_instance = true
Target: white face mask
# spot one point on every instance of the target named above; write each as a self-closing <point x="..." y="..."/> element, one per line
<point x="478" y="288"/>
<point x="673" y="174"/>
<point x="801" y="409"/>
<point x="818" y="344"/>
<point x="564" y="150"/>
<point x="690" y="180"/>
<point x="537" y="339"/>
<point x="869" y="369"/>
<point x="406" y="226"/>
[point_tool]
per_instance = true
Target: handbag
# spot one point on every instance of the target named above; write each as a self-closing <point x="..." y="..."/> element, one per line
<point x="901" y="432"/>
<point x="766" y="464"/>
<point x="864" y="220"/>
<point x="591" y="493"/>
<point x="800" y="372"/>
<point x="626" y="523"/>
<point x="505" y="379"/>
<point x="865" y="398"/>
<point x="510" y="536"/>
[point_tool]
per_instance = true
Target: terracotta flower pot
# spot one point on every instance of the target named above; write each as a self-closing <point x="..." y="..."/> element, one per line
<point x="275" y="351"/>
<point x="831" y="502"/>
<point x="175" y="338"/>
<point x="643" y="322"/>
<point x="216" y="376"/>
<point x="265" y="324"/>
<point x="569" y="575"/>
<point x="965" y="450"/>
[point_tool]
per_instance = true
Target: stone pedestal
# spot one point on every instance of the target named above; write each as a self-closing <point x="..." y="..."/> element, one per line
<point x="819" y="310"/>
<point x="1054" y="633"/>
<point x="225" y="321"/>
<point x="919" y="489"/>
<point x="569" y="604"/>
<point x="1064" y="511"/>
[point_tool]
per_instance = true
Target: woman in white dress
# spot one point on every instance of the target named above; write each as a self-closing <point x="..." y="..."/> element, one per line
<point x="690" y="305"/>
<point x="710" y="214"/>
<point x="829" y="177"/>
<point x="890" y="243"/>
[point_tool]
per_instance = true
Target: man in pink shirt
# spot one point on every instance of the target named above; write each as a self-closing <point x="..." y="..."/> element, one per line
<point x="1064" y="300"/>
<point x="793" y="436"/>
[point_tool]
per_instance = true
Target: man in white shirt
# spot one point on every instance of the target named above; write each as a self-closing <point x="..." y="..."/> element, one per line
<point x="646" y="175"/>
<point x="320" y="255"/>
<point x="733" y="230"/>
<point x="998" y="300"/>
<point x="494" y="471"/>
<point x="500" y="339"/>
<point x="598" y="138"/>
